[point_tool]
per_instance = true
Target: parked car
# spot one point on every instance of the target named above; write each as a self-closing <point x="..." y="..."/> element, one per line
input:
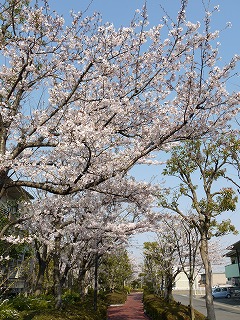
<point x="221" y="292"/>
<point x="235" y="291"/>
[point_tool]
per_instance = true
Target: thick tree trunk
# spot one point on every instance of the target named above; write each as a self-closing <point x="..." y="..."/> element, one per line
<point x="154" y="284"/>
<point x="81" y="281"/>
<point x="42" y="266"/>
<point x="65" y="274"/>
<point x="162" y="287"/>
<point x="208" y="271"/>
<point x="95" y="298"/>
<point x="40" y="278"/>
<point x="59" y="278"/>
<point x="168" y="296"/>
<point x="3" y="178"/>
<point x="57" y="274"/>
<point x="84" y="267"/>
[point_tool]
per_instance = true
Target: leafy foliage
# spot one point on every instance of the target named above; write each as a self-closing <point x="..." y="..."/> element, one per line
<point x="21" y="303"/>
<point x="7" y="311"/>
<point x="42" y="308"/>
<point x="202" y="167"/>
<point x="199" y="165"/>
<point x="115" y="270"/>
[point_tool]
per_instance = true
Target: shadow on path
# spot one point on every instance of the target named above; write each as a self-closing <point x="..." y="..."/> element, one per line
<point x="131" y="310"/>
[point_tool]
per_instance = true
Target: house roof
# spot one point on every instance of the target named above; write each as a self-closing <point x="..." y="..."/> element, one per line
<point x="234" y="246"/>
<point x="16" y="192"/>
<point x="232" y="249"/>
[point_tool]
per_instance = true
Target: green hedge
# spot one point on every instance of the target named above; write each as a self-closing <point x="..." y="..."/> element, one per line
<point x="158" y="309"/>
<point x="117" y="297"/>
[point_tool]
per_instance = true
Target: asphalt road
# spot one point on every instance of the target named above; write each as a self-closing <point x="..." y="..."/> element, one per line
<point x="225" y="309"/>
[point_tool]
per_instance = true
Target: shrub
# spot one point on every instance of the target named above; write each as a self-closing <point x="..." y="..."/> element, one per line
<point x="157" y="308"/>
<point x="42" y="308"/>
<point x="71" y="297"/>
<point x="30" y="303"/>
<point x="127" y="289"/>
<point x="118" y="297"/>
<point x="9" y="314"/>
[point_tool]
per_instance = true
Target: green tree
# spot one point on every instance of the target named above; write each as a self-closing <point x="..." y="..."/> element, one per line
<point x="205" y="162"/>
<point x="115" y="270"/>
<point x="153" y="275"/>
<point x="161" y="266"/>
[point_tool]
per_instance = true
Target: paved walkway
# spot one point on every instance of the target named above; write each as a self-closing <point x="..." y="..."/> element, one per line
<point x="131" y="310"/>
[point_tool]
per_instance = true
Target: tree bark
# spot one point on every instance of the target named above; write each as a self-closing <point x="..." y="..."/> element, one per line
<point x="95" y="298"/>
<point x="168" y="296"/>
<point x="81" y="281"/>
<point x="192" y="314"/>
<point x="208" y="271"/>
<point x="57" y="275"/>
<point x="42" y="266"/>
<point x="3" y="179"/>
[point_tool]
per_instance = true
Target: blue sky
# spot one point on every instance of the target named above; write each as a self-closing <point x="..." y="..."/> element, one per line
<point x="121" y="12"/>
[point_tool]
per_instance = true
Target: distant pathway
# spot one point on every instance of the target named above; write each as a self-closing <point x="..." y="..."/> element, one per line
<point x="131" y="310"/>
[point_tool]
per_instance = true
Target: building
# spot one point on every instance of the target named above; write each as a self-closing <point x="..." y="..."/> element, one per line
<point x="182" y="285"/>
<point x="10" y="201"/>
<point x="10" y="261"/>
<point x="232" y="271"/>
<point x="218" y="279"/>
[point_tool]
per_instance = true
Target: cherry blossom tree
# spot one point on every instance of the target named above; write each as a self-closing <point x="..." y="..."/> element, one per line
<point x="72" y="230"/>
<point x="84" y="102"/>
